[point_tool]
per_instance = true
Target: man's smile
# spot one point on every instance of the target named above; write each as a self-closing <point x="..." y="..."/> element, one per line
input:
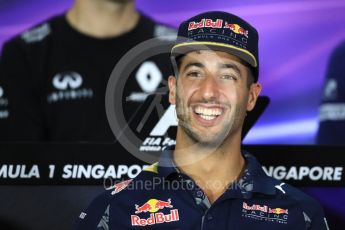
<point x="208" y="114"/>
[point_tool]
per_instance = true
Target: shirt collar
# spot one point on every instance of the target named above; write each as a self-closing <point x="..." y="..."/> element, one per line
<point x="166" y="166"/>
<point x="253" y="180"/>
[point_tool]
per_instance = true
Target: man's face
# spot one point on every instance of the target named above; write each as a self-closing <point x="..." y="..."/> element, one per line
<point x="211" y="96"/>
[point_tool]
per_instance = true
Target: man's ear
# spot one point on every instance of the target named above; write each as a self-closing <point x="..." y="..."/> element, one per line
<point x="172" y="81"/>
<point x="254" y="93"/>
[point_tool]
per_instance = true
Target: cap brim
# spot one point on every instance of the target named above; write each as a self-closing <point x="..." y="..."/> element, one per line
<point x="187" y="47"/>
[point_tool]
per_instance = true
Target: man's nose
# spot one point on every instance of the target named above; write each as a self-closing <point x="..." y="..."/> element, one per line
<point x="209" y="88"/>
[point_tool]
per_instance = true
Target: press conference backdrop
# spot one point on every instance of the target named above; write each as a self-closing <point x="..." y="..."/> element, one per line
<point x="46" y="186"/>
<point x="42" y="185"/>
<point x="296" y="39"/>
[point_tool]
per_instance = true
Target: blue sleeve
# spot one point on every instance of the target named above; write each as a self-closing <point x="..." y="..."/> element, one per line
<point x="319" y="221"/>
<point x="313" y="214"/>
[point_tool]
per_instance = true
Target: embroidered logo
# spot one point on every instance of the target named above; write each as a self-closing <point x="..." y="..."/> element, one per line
<point x="82" y="215"/>
<point x="153" y="206"/>
<point x="120" y="186"/>
<point x="68" y="87"/>
<point x="280" y="187"/>
<point x="36" y="34"/>
<point x="205" y="23"/>
<point x="3" y="103"/>
<point x="236" y="29"/>
<point x="331" y="90"/>
<point x="265" y="213"/>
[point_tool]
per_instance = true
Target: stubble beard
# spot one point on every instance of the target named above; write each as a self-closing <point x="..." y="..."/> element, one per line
<point x="208" y="140"/>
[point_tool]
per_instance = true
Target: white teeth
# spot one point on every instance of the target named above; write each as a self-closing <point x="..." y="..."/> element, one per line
<point x="207" y="111"/>
<point x="208" y="117"/>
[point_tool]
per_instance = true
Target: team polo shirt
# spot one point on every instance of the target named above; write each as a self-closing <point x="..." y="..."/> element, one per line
<point x="161" y="197"/>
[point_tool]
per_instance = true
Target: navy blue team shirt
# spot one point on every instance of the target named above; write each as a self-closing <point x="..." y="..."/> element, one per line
<point x="161" y="197"/>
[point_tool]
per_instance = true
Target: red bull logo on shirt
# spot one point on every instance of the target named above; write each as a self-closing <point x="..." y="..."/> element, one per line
<point x="255" y="207"/>
<point x="236" y="29"/>
<point x="153" y="206"/>
<point x="265" y="213"/>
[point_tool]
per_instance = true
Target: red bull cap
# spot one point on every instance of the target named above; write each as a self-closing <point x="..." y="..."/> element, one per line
<point x="219" y="31"/>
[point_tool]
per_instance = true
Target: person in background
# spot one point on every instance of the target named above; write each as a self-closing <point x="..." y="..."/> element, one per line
<point x="332" y="109"/>
<point x="53" y="77"/>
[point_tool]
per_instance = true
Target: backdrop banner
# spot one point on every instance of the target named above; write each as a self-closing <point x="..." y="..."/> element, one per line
<point x="96" y="164"/>
<point x="46" y="186"/>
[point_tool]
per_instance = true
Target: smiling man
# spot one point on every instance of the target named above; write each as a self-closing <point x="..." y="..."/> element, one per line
<point x="207" y="181"/>
<point x="212" y="93"/>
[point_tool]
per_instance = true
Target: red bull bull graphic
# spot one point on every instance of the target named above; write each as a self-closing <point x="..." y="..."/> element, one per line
<point x="278" y="211"/>
<point x="236" y="29"/>
<point x="264" y="213"/>
<point x="153" y="206"/>
<point x="163" y="204"/>
<point x="205" y="23"/>
<point x="144" y="208"/>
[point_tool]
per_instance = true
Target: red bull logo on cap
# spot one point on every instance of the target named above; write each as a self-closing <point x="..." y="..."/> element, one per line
<point x="153" y="206"/>
<point x="236" y="29"/>
<point x="205" y="22"/>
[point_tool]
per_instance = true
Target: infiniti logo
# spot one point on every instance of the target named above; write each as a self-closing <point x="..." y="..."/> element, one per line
<point x="68" y="79"/>
<point x="68" y="85"/>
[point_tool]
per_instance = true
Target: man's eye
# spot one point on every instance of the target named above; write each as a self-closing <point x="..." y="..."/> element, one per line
<point x="193" y="74"/>
<point x="229" y="77"/>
